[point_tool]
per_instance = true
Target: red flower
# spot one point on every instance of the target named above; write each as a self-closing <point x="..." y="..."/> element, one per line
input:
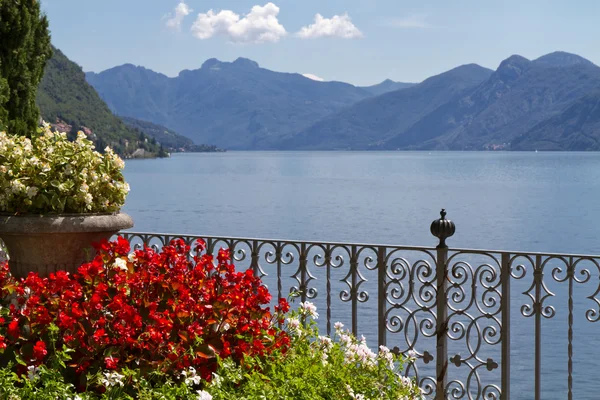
<point x="166" y="312"/>
<point x="13" y="328"/>
<point x="39" y="350"/>
<point x="111" y="362"/>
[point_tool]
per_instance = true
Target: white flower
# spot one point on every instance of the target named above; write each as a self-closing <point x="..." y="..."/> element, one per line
<point x="112" y="379"/>
<point x="216" y="380"/>
<point x="33" y="372"/>
<point x="202" y="395"/>
<point x="386" y="354"/>
<point x="338" y="326"/>
<point x="190" y="377"/>
<point x="309" y="309"/>
<point x="293" y="325"/>
<point x="325" y="342"/>
<point x="120" y="263"/>
<point x="88" y="198"/>
<point x="131" y="257"/>
<point x="324" y="358"/>
<point x="32" y="191"/>
<point x="17" y="187"/>
<point x="412" y="354"/>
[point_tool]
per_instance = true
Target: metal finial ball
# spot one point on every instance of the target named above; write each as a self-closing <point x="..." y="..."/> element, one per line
<point x="442" y="229"/>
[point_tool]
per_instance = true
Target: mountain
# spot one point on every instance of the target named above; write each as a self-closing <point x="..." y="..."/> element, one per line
<point x="519" y="95"/>
<point x="236" y="105"/>
<point x="387" y="86"/>
<point x="563" y="59"/>
<point x="373" y="121"/>
<point x="168" y="139"/>
<point x="576" y="128"/>
<point x="68" y="102"/>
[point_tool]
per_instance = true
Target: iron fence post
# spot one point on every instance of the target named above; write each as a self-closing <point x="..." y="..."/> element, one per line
<point x="381" y="295"/>
<point x="442" y="229"/>
<point x="505" y="329"/>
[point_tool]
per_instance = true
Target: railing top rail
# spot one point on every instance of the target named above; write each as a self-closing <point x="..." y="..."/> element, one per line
<point x="404" y="247"/>
<point x="290" y="241"/>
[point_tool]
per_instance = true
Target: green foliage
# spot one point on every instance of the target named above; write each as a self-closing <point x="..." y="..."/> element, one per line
<point x="316" y="367"/>
<point x="64" y="97"/>
<point x="24" y="50"/>
<point x="46" y="383"/>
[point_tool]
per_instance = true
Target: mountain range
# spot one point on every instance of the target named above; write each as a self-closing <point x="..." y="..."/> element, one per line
<point x="550" y="103"/>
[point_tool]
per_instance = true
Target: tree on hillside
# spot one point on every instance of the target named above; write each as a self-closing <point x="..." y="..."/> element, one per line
<point x="24" y="50"/>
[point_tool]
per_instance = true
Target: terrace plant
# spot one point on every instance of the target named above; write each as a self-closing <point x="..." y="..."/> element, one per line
<point x="167" y="325"/>
<point x="57" y="197"/>
<point x="162" y="315"/>
<point x="48" y="174"/>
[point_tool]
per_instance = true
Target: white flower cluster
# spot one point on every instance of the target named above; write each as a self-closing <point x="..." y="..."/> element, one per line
<point x="202" y="395"/>
<point x="190" y="376"/>
<point x="33" y="372"/>
<point x="308" y="309"/>
<point x="294" y="326"/>
<point x="50" y="174"/>
<point x="120" y="263"/>
<point x="111" y="379"/>
<point x="353" y="395"/>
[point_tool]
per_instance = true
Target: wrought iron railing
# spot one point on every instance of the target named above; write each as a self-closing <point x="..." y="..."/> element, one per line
<point x="463" y="339"/>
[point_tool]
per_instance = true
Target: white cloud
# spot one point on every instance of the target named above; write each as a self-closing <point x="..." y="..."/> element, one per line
<point x="313" y="77"/>
<point x="337" y="26"/>
<point x="258" y="26"/>
<point x="410" y="22"/>
<point x="174" y="20"/>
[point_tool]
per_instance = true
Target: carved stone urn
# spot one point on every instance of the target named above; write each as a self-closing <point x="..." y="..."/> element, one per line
<point x="50" y="243"/>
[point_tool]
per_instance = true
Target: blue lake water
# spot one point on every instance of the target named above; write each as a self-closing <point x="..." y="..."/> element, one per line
<point x="545" y="202"/>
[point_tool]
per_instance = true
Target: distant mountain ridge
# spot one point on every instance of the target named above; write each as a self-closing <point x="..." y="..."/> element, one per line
<point x="519" y="95"/>
<point x="373" y="121"/>
<point x="546" y="103"/>
<point x="236" y="105"/>
<point x="387" y="86"/>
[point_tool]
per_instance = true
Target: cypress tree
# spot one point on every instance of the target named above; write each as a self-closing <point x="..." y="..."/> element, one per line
<point x="24" y="49"/>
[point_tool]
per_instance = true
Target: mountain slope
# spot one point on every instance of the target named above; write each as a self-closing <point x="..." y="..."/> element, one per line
<point x="387" y="86"/>
<point x="65" y="99"/>
<point x="517" y="96"/>
<point x="371" y="122"/>
<point x="576" y="128"/>
<point x="236" y="105"/>
<point x="167" y="138"/>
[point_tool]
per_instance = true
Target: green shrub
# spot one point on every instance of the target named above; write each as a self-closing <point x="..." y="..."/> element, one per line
<point x="316" y="367"/>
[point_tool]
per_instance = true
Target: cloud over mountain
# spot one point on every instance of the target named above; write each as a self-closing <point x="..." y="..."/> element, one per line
<point x="340" y="26"/>
<point x="260" y="25"/>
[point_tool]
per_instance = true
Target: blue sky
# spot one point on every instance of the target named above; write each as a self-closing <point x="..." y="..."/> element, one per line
<point x="357" y="41"/>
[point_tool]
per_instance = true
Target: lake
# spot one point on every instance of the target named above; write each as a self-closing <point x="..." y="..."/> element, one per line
<point x="545" y="202"/>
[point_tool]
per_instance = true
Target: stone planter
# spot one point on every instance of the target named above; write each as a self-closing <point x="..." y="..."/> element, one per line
<point x="46" y="244"/>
